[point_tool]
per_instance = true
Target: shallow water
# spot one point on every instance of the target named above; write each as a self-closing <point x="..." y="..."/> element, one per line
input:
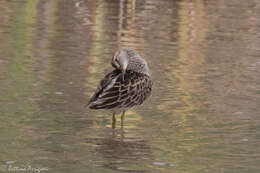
<point x="203" y="115"/>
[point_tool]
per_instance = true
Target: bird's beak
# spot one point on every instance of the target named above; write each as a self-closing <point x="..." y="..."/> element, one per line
<point x="123" y="67"/>
<point x="123" y="70"/>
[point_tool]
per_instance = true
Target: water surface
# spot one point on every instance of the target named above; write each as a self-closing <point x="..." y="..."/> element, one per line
<point x="203" y="115"/>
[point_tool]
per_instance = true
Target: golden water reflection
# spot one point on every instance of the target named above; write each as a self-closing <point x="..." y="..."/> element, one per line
<point x="203" y="113"/>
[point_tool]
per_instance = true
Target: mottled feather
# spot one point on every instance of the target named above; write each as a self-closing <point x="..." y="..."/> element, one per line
<point x="121" y="92"/>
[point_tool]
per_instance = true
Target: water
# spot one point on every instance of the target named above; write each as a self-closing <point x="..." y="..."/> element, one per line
<point x="203" y="115"/>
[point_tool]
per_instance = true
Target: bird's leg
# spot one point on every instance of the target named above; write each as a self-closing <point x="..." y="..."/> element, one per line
<point x="122" y="118"/>
<point x="113" y="121"/>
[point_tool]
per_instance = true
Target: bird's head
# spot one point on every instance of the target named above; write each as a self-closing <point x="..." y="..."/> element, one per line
<point x="127" y="59"/>
<point x="120" y="60"/>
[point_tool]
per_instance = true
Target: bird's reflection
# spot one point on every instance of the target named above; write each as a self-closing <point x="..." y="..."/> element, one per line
<point x="121" y="145"/>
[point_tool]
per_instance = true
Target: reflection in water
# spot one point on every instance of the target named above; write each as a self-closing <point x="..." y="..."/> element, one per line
<point x="203" y="113"/>
<point x="120" y="150"/>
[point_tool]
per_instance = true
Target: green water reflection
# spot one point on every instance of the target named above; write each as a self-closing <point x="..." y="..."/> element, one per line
<point x="203" y="115"/>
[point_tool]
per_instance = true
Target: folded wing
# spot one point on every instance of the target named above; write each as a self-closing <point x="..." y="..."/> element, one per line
<point x="121" y="91"/>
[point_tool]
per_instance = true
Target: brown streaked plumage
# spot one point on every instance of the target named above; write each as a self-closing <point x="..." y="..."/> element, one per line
<point x="128" y="85"/>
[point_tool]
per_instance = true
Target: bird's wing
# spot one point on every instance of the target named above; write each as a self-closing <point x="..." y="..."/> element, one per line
<point x="137" y="90"/>
<point x="105" y="84"/>
<point x="121" y="91"/>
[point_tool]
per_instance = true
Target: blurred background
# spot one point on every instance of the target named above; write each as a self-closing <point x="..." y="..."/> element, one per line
<point x="204" y="113"/>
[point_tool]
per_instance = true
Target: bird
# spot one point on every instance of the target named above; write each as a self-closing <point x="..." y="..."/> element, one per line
<point x="127" y="86"/>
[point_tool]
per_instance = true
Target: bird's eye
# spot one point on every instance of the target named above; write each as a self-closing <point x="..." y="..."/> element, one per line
<point x="117" y="62"/>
